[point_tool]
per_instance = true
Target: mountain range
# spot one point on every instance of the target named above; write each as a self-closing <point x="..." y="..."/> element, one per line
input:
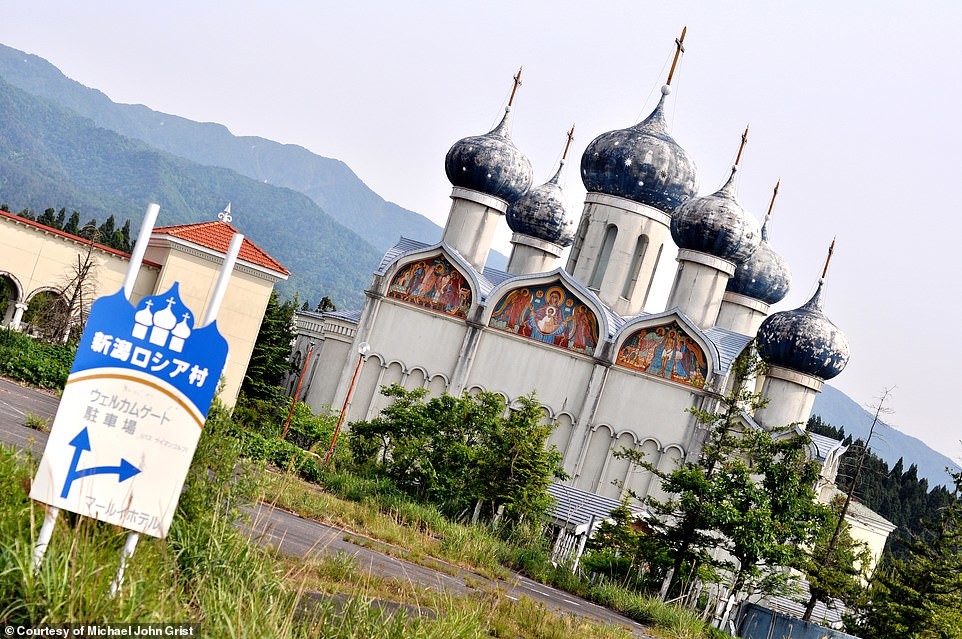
<point x="888" y="443"/>
<point x="66" y="145"/>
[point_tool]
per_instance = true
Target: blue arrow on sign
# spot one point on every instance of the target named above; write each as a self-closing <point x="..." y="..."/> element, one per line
<point x="124" y="471"/>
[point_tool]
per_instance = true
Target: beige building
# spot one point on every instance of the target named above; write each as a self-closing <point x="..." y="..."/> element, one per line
<point x="37" y="260"/>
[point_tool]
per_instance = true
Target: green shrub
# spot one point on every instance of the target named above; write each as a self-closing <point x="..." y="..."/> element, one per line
<point x="34" y="362"/>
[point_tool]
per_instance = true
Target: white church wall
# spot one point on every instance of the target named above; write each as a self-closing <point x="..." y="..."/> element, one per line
<point x="646" y="406"/>
<point x="414" y="337"/>
<point x="516" y="366"/>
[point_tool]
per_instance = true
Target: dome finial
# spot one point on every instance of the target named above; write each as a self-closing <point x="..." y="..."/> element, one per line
<point x="514" y="89"/>
<point x="679" y="49"/>
<point x="741" y="147"/>
<point x="828" y="259"/>
<point x="564" y="156"/>
<point x="571" y="137"/>
<point x="768" y="215"/>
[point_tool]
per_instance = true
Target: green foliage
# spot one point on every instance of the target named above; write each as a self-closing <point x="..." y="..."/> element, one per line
<point x="750" y="493"/>
<point x="920" y="597"/>
<point x="898" y="494"/>
<point x="34" y="362"/>
<point x="459" y="452"/>
<point x="270" y="358"/>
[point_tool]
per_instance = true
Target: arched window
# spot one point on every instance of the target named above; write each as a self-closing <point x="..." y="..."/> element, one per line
<point x="602" y="264"/>
<point x="651" y="280"/>
<point x="631" y="278"/>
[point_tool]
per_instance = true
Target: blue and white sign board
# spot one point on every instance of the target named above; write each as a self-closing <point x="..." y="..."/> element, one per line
<point x="131" y="413"/>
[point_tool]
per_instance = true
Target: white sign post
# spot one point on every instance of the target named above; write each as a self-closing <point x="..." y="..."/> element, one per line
<point x="132" y="410"/>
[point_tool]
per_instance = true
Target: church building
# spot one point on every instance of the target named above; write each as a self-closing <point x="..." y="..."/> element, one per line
<point x="609" y="374"/>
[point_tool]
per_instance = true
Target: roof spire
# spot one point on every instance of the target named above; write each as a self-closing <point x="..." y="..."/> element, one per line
<point x="768" y="215"/>
<point x="741" y="147"/>
<point x="828" y="259"/>
<point x="571" y="136"/>
<point x="225" y="216"/>
<point x="514" y="89"/>
<point x="679" y="49"/>
<point x="774" y="194"/>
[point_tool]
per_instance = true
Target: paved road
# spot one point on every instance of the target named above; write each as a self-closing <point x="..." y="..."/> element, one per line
<point x="304" y="537"/>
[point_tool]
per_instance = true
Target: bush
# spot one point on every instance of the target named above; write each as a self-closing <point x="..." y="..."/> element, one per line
<point x="34" y="362"/>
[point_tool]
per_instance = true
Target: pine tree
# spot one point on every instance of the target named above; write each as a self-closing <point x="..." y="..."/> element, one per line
<point x="272" y="350"/>
<point x="920" y="597"/>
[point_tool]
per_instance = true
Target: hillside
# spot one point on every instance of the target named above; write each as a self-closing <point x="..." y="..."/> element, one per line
<point x="50" y="157"/>
<point x="838" y="409"/>
<point x="330" y="183"/>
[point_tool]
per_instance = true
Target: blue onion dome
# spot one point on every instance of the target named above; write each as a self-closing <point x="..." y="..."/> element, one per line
<point x="717" y="224"/>
<point x="804" y="340"/>
<point x="490" y="163"/>
<point x="542" y="213"/>
<point x="641" y="163"/>
<point x="765" y="276"/>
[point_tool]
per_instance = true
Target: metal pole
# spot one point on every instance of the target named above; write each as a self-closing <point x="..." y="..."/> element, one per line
<point x="300" y="380"/>
<point x="43" y="538"/>
<point x="129" y="546"/>
<point x="362" y="349"/>
<point x="223" y="279"/>
<point x="137" y="257"/>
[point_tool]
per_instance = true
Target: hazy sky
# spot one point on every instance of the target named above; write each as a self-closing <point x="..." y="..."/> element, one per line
<point x="855" y="106"/>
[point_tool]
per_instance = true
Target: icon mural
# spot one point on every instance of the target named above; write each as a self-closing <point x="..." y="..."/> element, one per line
<point x="665" y="351"/>
<point x="548" y="314"/>
<point x="433" y="284"/>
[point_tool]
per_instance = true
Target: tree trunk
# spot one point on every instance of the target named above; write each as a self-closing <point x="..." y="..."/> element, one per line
<point x="810" y="607"/>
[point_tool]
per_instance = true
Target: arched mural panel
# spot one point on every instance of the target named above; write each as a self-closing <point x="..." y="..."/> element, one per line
<point x="434" y="284"/>
<point x="665" y="351"/>
<point x="547" y="313"/>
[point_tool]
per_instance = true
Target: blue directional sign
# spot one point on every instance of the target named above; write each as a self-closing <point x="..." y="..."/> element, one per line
<point x="131" y="413"/>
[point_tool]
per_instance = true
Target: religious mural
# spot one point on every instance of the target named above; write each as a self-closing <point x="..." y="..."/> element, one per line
<point x="548" y="313"/>
<point x="665" y="351"/>
<point x="432" y="284"/>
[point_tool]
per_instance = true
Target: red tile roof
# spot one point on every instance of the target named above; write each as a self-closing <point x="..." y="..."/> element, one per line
<point x="216" y="235"/>
<point x="69" y="236"/>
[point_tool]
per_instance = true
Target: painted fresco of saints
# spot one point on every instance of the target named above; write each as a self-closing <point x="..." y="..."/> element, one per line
<point x="549" y="315"/>
<point x="433" y="284"/>
<point x="665" y="351"/>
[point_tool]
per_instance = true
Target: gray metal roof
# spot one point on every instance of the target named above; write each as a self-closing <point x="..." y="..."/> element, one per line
<point x="576" y="509"/>
<point x="348" y="316"/>
<point x="729" y="345"/>
<point x="404" y="245"/>
<point x="823" y="445"/>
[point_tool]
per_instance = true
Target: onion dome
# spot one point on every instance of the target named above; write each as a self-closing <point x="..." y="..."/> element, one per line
<point x="641" y="163"/>
<point x="542" y="213"/>
<point x="804" y="340"/>
<point x="716" y="224"/>
<point x="765" y="276"/>
<point x="490" y="163"/>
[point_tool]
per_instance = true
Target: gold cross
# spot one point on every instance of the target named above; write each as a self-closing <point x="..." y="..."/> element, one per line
<point x="517" y="83"/>
<point x="571" y="136"/>
<point x="679" y="49"/>
<point x="741" y="147"/>
<point x="831" y="249"/>
<point x="772" y="203"/>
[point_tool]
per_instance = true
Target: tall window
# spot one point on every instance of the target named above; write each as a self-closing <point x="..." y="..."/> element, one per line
<point x="602" y="264"/>
<point x="631" y="277"/>
<point x="653" y="271"/>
